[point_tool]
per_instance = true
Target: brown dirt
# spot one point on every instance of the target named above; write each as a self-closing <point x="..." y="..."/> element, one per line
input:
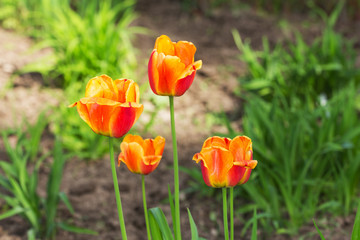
<point x="89" y="185"/>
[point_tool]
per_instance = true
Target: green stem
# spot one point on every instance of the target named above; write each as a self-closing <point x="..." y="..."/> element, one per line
<point x="145" y="207"/>
<point x="226" y="228"/>
<point x="177" y="228"/>
<point x="117" y="192"/>
<point x="231" y="213"/>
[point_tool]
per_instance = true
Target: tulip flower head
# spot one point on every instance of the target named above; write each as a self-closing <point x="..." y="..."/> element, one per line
<point x="110" y="107"/>
<point x="141" y="156"/>
<point x="171" y="67"/>
<point x="226" y="162"/>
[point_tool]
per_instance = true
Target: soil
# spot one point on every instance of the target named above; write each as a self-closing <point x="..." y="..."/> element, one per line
<point x="89" y="185"/>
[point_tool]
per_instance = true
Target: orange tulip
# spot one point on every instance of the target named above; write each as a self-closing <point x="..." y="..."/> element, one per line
<point x="171" y="67"/>
<point x="141" y="156"/>
<point x="226" y="162"/>
<point x="110" y="107"/>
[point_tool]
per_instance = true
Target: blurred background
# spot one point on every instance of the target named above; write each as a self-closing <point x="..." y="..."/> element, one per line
<point x="284" y="73"/>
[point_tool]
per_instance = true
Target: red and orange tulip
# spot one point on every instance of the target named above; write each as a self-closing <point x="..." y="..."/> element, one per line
<point x="141" y="156"/>
<point x="226" y="162"/>
<point x="110" y="107"/>
<point x="171" y="67"/>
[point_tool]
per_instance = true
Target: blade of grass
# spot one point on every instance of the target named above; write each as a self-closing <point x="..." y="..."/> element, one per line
<point x="75" y="229"/>
<point x="318" y="230"/>
<point x="356" y="229"/>
<point x="12" y="212"/>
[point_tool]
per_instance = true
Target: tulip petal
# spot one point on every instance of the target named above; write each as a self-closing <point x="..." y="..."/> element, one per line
<point x="133" y="138"/>
<point x="245" y="175"/>
<point x="159" y="144"/>
<point x="132" y="154"/>
<point x="128" y="90"/>
<point x="151" y="160"/>
<point x="163" y="44"/>
<point x="205" y="174"/>
<point x="234" y="176"/>
<point x="153" y="72"/>
<point x="102" y="87"/>
<point x="83" y="112"/>
<point x="183" y="84"/>
<point x="217" y="142"/>
<point x="95" y="113"/>
<point x="185" y="51"/>
<point x="154" y="146"/>
<point x="123" y="118"/>
<point x="149" y="164"/>
<point x="241" y="148"/>
<point x="197" y="64"/>
<point x="198" y="157"/>
<point x="170" y="69"/>
<point x="149" y="147"/>
<point x="218" y="162"/>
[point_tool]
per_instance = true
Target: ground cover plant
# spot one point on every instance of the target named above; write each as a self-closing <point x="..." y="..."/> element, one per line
<point x="301" y="110"/>
<point x="87" y="38"/>
<point x="20" y="186"/>
<point x="308" y="71"/>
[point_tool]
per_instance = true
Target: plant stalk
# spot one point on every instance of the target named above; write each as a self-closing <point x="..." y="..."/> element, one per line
<point x="177" y="229"/>
<point x="117" y="192"/>
<point x="226" y="228"/>
<point x="231" y="213"/>
<point x="145" y="207"/>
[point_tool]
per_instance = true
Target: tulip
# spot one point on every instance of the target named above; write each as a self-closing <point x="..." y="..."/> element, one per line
<point x="110" y="107"/>
<point x="226" y="162"/>
<point x="141" y="156"/>
<point x="171" y="67"/>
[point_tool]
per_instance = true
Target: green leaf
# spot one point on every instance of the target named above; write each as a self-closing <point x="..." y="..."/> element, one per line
<point x="53" y="185"/>
<point x="194" y="231"/>
<point x="154" y="228"/>
<point x="12" y="212"/>
<point x="31" y="234"/>
<point x="172" y="207"/>
<point x="160" y="218"/>
<point x="318" y="230"/>
<point x="71" y="228"/>
<point x="356" y="229"/>
<point x="66" y="201"/>
<point x="254" y="227"/>
<point x="8" y="168"/>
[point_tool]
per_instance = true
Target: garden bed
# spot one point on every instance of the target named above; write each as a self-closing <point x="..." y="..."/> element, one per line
<point x="89" y="185"/>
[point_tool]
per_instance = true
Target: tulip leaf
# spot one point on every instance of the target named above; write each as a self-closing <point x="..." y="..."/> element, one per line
<point x="318" y="230"/>
<point x="154" y="228"/>
<point x="356" y="229"/>
<point x="194" y="231"/>
<point x="160" y="219"/>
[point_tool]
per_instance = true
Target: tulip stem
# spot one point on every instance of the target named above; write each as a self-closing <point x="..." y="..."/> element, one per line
<point x="117" y="192"/>
<point x="177" y="229"/>
<point x="226" y="228"/>
<point x="231" y="213"/>
<point x="145" y="207"/>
